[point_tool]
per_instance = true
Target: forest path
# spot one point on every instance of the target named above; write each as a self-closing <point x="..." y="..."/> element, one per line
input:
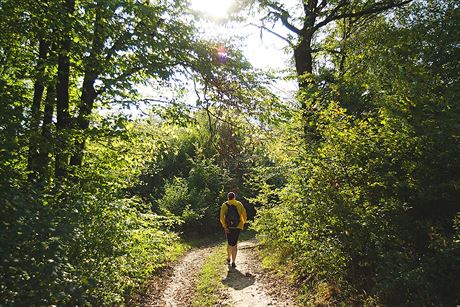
<point x="250" y="286"/>
<point x="247" y="285"/>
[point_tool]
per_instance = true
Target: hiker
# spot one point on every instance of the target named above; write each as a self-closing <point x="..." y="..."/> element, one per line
<point x="232" y="217"/>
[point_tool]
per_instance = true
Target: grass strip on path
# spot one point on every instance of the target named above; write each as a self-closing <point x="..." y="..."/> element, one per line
<point x="209" y="284"/>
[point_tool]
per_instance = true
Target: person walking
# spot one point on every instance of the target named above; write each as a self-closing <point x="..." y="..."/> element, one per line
<point x="232" y="217"/>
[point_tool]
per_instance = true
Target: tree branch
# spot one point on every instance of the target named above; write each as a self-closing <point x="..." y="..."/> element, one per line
<point x="334" y="12"/>
<point x="262" y="27"/>
<point x="373" y="9"/>
<point x="283" y="15"/>
<point x="322" y="5"/>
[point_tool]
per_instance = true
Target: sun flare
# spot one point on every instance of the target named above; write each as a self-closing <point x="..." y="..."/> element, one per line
<point x="212" y="8"/>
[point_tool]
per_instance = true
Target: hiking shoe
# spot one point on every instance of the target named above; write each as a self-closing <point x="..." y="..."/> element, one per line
<point x="233" y="265"/>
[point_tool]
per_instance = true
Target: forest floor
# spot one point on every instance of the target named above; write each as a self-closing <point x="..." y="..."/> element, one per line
<point x="246" y="285"/>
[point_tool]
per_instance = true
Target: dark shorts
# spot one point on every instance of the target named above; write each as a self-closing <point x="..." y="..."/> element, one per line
<point x="232" y="236"/>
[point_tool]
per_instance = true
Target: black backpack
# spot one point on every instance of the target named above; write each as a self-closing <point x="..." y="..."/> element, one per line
<point x="232" y="218"/>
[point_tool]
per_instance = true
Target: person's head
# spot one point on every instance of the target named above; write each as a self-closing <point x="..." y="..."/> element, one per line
<point x="231" y="195"/>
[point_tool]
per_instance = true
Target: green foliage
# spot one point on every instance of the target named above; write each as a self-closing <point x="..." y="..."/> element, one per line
<point x="82" y="241"/>
<point x="192" y="191"/>
<point x="193" y="168"/>
<point x="358" y="192"/>
<point x="81" y="245"/>
<point x="346" y="215"/>
<point x="367" y="211"/>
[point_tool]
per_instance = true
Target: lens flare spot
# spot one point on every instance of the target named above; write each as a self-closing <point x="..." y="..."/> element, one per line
<point x="222" y="54"/>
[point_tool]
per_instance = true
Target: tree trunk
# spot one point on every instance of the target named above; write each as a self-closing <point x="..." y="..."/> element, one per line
<point x="89" y="94"/>
<point x="62" y="96"/>
<point x="86" y="107"/>
<point x="46" y="142"/>
<point x="32" y="163"/>
<point x="303" y="57"/>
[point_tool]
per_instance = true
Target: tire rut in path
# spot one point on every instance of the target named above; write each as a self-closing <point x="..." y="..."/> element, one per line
<point x="178" y="290"/>
<point x="249" y="286"/>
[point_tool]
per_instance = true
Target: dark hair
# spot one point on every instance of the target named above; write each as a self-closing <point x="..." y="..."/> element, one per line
<point x="231" y="195"/>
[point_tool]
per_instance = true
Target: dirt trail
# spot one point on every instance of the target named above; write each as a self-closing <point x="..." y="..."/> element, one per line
<point x="249" y="286"/>
<point x="175" y="287"/>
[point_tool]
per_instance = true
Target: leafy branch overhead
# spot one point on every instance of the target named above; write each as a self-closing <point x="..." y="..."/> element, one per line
<point x="307" y="22"/>
<point x="314" y="16"/>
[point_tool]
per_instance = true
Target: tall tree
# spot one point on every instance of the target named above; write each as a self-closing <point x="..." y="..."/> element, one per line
<point x="305" y="21"/>
<point x="91" y="72"/>
<point x="129" y="42"/>
<point x="39" y="87"/>
<point x="64" y="123"/>
<point x="315" y="16"/>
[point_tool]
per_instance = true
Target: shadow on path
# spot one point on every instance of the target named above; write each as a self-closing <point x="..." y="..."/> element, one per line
<point x="237" y="280"/>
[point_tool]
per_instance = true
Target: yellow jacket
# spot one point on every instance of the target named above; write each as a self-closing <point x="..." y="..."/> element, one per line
<point x="241" y="211"/>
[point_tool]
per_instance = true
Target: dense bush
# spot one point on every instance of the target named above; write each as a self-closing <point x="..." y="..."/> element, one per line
<point x="196" y="199"/>
<point x="184" y="179"/>
<point x="82" y="245"/>
<point x="81" y="240"/>
<point x="346" y="216"/>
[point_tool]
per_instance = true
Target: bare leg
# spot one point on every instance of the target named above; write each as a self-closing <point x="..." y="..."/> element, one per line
<point x="229" y="252"/>
<point x="234" y="251"/>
